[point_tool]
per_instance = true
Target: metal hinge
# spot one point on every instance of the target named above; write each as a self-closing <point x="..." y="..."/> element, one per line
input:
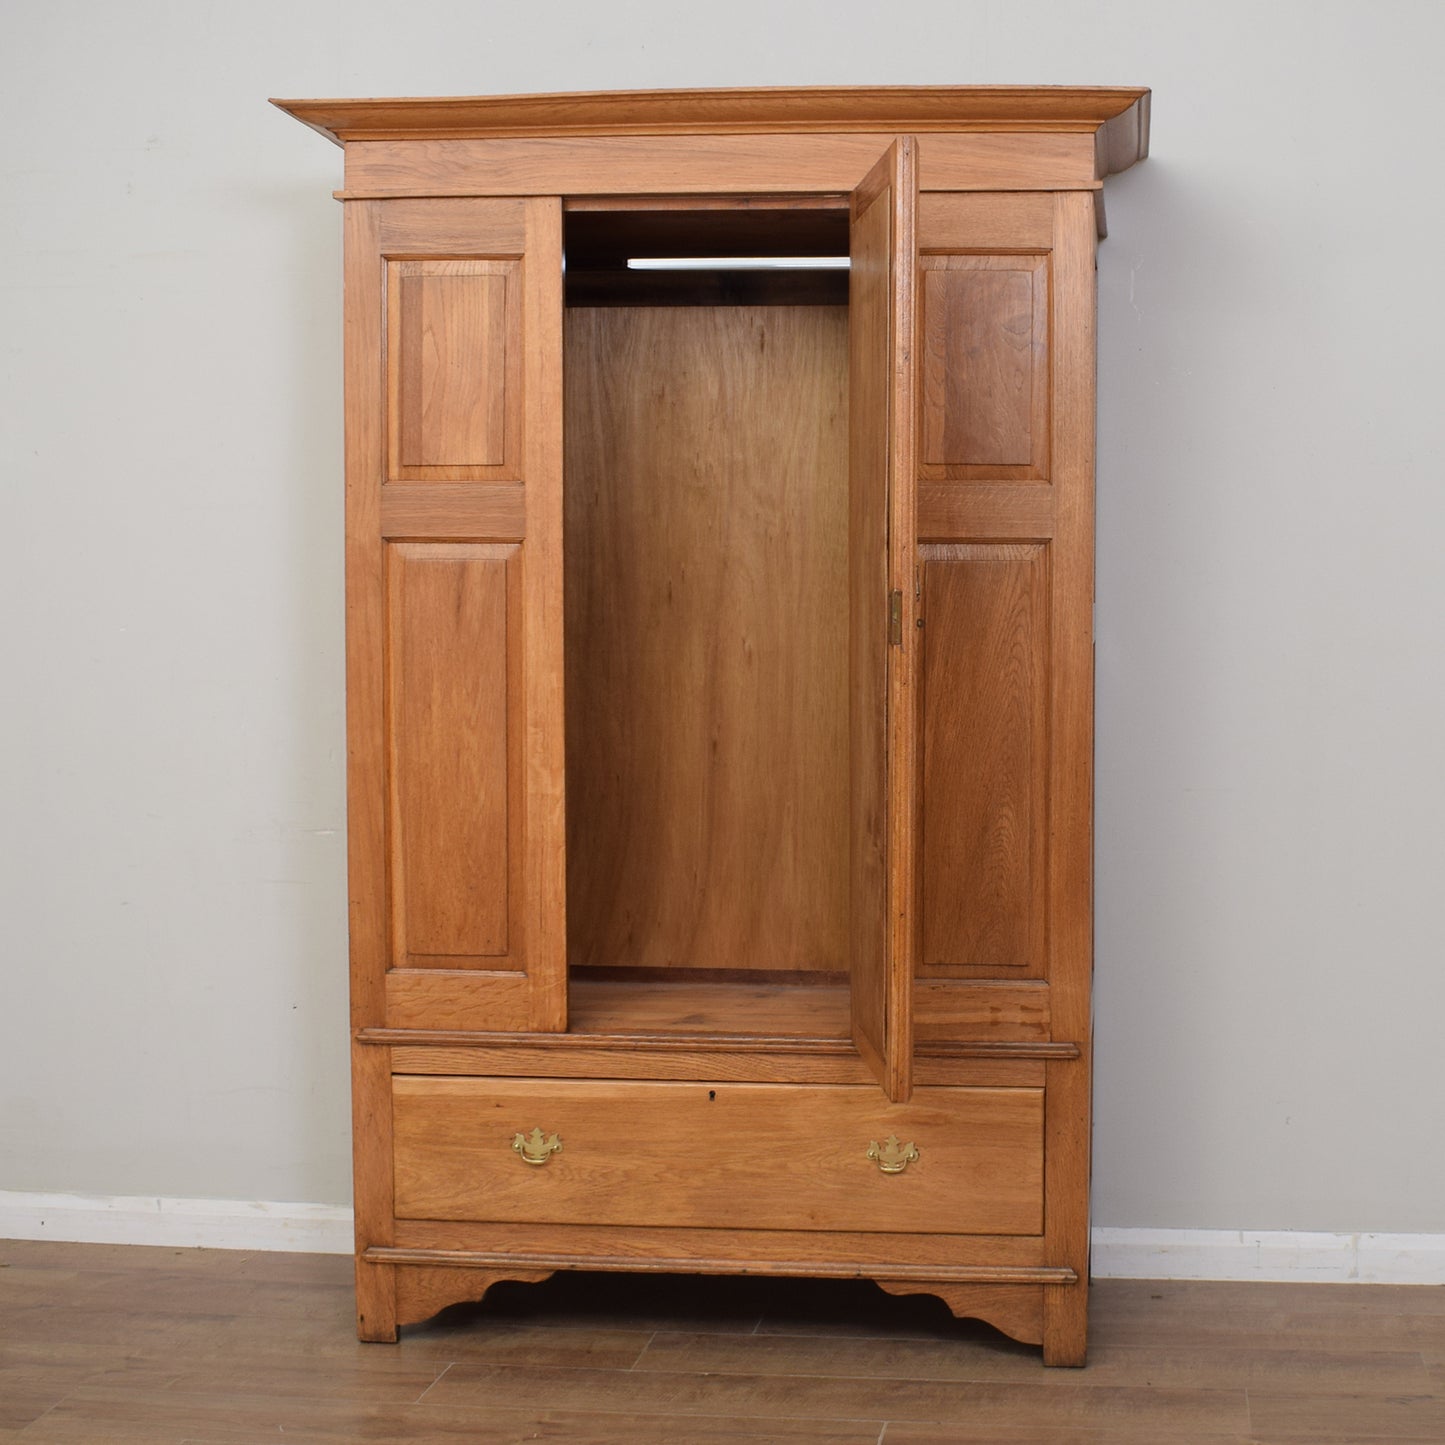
<point x="895" y="618"/>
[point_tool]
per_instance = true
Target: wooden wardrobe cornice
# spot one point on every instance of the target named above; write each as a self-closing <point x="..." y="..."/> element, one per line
<point x="1120" y="113"/>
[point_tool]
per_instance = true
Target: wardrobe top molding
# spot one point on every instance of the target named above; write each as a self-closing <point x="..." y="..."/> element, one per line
<point x="1117" y="117"/>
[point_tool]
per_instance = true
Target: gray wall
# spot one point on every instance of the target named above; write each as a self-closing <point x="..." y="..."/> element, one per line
<point x="1271" y="696"/>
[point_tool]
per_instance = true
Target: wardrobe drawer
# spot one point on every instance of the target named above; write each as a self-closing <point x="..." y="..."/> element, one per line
<point x="759" y="1156"/>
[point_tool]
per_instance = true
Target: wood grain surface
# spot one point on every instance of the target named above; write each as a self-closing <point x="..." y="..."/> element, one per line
<point x="366" y="761"/>
<point x="986" y="511"/>
<point x="653" y="1248"/>
<point x="454" y="614"/>
<point x="706" y="555"/>
<point x="793" y="110"/>
<point x="735" y="1065"/>
<point x="708" y="164"/>
<point x="882" y="648"/>
<point x="544" y="778"/>
<point x="985" y="758"/>
<point x="793" y="1157"/>
<point x="985" y="220"/>
<point x="1071" y="768"/>
<point x="444" y="510"/>
<point x="374" y="1215"/>
<point x="454" y="365"/>
<point x="984" y="356"/>
<point x="454" y="636"/>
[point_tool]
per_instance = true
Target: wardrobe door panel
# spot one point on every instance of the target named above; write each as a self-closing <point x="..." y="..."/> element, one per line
<point x="882" y="643"/>
<point x="995" y="467"/>
<point x="455" y="592"/>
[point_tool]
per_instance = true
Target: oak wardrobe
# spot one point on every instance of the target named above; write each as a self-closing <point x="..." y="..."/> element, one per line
<point x="719" y="539"/>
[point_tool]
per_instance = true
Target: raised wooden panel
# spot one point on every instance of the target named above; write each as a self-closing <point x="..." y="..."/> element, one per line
<point x="454" y="370"/>
<point x="451" y="349"/>
<point x="985" y="393"/>
<point x="653" y="1153"/>
<point x="706" y="657"/>
<point x="453" y="630"/>
<point x="985" y="757"/>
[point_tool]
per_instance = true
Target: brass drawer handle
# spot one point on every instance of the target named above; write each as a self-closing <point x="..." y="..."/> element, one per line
<point x="536" y="1147"/>
<point x="893" y="1157"/>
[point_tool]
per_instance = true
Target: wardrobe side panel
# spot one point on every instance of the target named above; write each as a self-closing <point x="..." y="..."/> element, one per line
<point x="366" y="770"/>
<point x="1071" y="793"/>
<point x="1006" y="507"/>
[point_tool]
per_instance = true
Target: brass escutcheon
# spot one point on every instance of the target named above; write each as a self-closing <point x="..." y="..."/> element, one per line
<point x="893" y="1157"/>
<point x="536" y="1147"/>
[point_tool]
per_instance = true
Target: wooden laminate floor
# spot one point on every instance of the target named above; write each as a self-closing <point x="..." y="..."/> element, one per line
<point x="103" y="1343"/>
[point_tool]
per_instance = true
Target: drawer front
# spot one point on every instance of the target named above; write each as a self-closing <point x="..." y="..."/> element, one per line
<point x="759" y="1156"/>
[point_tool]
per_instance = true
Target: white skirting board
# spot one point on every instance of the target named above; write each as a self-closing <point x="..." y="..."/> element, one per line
<point x="1117" y="1253"/>
<point x="1267" y="1254"/>
<point x="178" y="1223"/>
